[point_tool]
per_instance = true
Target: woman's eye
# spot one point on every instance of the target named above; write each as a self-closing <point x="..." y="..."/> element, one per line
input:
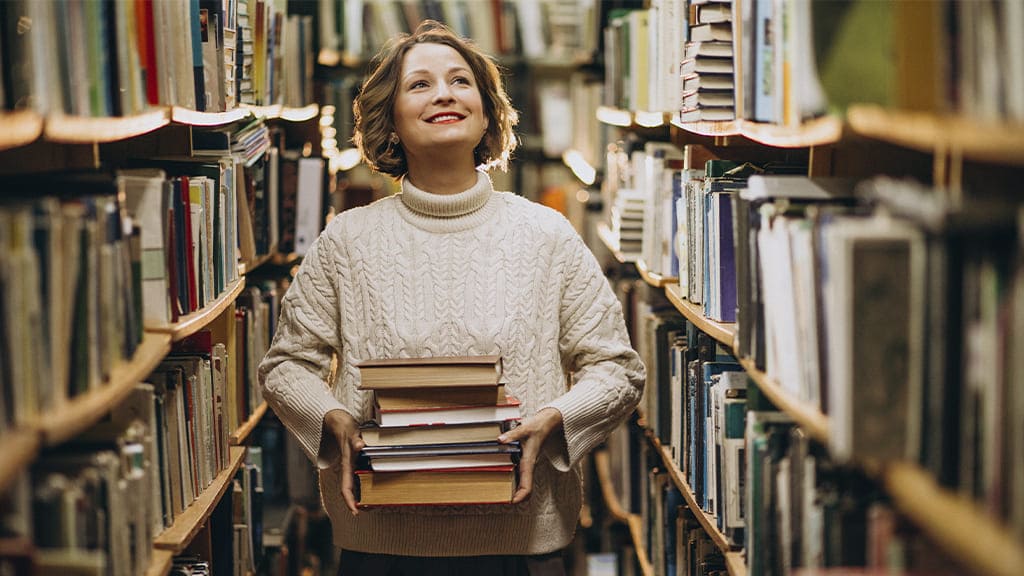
<point x="461" y="80"/>
<point x="418" y="84"/>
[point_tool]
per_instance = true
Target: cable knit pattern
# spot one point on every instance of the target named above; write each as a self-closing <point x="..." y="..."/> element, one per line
<point x="478" y="272"/>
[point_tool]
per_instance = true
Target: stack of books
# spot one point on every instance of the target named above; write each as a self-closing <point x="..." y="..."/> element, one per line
<point x="707" y="67"/>
<point x="434" y="435"/>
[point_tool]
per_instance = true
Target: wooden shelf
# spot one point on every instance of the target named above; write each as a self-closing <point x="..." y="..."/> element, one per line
<point x="809" y="418"/>
<point x="604" y="232"/>
<point x="724" y="128"/>
<point x="653" y="278"/>
<point x="611" y="502"/>
<point x="264" y="112"/>
<point x="20" y="447"/>
<point x="239" y="436"/>
<point x="956" y="524"/>
<point x="614" y="116"/>
<point x="88" y="130"/>
<point x="194" y="322"/>
<point x="300" y="114"/>
<point x="986" y="141"/>
<point x="84" y="410"/>
<point x="160" y="562"/>
<point x="187" y="525"/>
<point x="737" y="567"/>
<point x="19" y="128"/>
<point x="723" y="332"/>
<point x="246" y="267"/>
<point x="817" y="132"/>
<point x="193" y="118"/>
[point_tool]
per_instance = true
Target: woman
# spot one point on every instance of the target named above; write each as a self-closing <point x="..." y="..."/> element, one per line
<point x="450" y="267"/>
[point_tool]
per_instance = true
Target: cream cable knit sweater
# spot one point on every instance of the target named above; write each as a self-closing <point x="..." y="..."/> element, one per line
<point x="479" y="272"/>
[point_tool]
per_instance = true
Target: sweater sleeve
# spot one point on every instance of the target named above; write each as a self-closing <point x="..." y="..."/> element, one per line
<point x="293" y="374"/>
<point x="594" y="345"/>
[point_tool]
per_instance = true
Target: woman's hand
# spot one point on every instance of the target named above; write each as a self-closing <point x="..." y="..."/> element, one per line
<point x="531" y="435"/>
<point x="343" y="427"/>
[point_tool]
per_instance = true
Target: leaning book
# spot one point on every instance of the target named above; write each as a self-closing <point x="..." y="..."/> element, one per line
<point x="483" y="485"/>
<point x="430" y="372"/>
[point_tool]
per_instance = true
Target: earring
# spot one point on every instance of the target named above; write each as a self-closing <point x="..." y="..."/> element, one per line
<point x="393" y="139"/>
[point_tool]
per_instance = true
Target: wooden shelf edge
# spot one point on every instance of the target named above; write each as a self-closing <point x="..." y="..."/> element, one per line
<point x="246" y="267"/>
<point x="723" y="128"/>
<point x="723" y="332"/>
<point x="194" y="322"/>
<point x="736" y="563"/>
<point x="958" y="525"/>
<point x="604" y="232"/>
<point x="19" y="128"/>
<point x="614" y="116"/>
<point x="160" y="562"/>
<point x="604" y="480"/>
<point x="691" y="500"/>
<point x="187" y="525"/>
<point x="88" y="130"/>
<point x="20" y="448"/>
<point x="182" y="115"/>
<point x="811" y="420"/>
<point x="636" y="532"/>
<point x="653" y="278"/>
<point x="302" y="114"/>
<point x="816" y="132"/>
<point x="239" y="436"/>
<point x="85" y="410"/>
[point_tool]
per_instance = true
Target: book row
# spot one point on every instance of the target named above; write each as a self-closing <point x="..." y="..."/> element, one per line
<point x="101" y="58"/>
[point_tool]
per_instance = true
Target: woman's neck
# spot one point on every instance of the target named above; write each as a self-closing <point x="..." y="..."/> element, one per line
<point x="439" y="177"/>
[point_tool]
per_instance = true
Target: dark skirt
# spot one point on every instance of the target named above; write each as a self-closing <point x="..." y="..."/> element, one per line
<point x="354" y="563"/>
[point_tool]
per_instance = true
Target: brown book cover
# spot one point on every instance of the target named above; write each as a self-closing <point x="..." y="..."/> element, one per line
<point x="445" y="397"/>
<point x="434" y="372"/>
<point x="374" y="435"/>
<point x="485" y="485"/>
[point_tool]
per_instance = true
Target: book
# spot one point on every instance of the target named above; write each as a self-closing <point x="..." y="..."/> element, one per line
<point x="457" y="415"/>
<point x="430" y="372"/>
<point x="412" y="398"/>
<point x="482" y="485"/>
<point x="440" y="456"/>
<point x="374" y="435"/>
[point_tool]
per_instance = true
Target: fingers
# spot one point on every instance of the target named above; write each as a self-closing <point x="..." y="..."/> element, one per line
<point x="348" y="474"/>
<point x="525" y="488"/>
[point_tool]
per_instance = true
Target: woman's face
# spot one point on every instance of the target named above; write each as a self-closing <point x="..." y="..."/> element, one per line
<point x="438" y="109"/>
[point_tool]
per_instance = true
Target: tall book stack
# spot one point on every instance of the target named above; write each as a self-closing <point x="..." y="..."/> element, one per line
<point x="707" y="68"/>
<point x="434" y="435"/>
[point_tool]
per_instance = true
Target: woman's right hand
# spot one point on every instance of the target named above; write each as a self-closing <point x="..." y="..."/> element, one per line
<point x="343" y="427"/>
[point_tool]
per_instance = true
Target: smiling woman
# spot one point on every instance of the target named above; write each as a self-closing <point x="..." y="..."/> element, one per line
<point x="450" y="267"/>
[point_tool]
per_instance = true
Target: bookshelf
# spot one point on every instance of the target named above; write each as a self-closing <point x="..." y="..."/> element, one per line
<point x="618" y="513"/>
<point x="303" y="114"/>
<point x="191" y="323"/>
<point x="653" y="278"/>
<point x="85" y="410"/>
<point x="238" y="437"/>
<point x="20" y="448"/>
<point x="723" y="332"/>
<point x="178" y="536"/>
<point x="604" y="232"/>
<point x="19" y="128"/>
<point x="183" y="115"/>
<point x="246" y="267"/>
<point x="160" y="562"/>
<point x="87" y="130"/>
<point x="737" y="567"/>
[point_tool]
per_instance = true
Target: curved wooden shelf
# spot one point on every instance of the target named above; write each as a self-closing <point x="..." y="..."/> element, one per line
<point x="160" y="562"/>
<point x="817" y="132"/>
<point x="723" y="128"/>
<point x="238" y="437"/>
<point x="705" y="519"/>
<point x="299" y="114"/>
<point x="614" y="116"/>
<point x="987" y="141"/>
<point x="194" y="322"/>
<point x="178" y="536"/>
<point x="611" y="501"/>
<point x="20" y="447"/>
<point x="88" y="130"/>
<point x="86" y="409"/>
<point x="604" y="232"/>
<point x="810" y="419"/>
<point x="19" y="128"/>
<point x="653" y="278"/>
<point x="182" y="115"/>
<point x="246" y="267"/>
<point x="723" y="332"/>
<point x="959" y="527"/>
<point x="264" y="112"/>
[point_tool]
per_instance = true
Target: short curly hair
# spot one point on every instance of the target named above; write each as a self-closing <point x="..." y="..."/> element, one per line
<point x="373" y="107"/>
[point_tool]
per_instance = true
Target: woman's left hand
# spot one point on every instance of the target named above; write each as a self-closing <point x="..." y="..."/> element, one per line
<point x="531" y="434"/>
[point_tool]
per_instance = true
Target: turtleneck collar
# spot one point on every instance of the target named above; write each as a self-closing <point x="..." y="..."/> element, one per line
<point x="448" y="212"/>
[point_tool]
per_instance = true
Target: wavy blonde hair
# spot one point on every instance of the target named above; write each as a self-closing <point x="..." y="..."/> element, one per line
<point x="374" y="121"/>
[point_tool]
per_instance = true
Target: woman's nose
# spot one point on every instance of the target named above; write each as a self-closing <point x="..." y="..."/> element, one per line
<point x="443" y="92"/>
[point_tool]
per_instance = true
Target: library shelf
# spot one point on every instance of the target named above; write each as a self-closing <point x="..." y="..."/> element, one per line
<point x="183" y="115"/>
<point x="246" y="267"/>
<point x="614" y="116"/>
<point x="958" y="525"/>
<point x="653" y="278"/>
<point x="332" y="58"/>
<point x="611" y="501"/>
<point x="20" y="448"/>
<point x="721" y="128"/>
<point x="604" y="232"/>
<point x="299" y="114"/>
<point x="816" y="132"/>
<point x="160" y="562"/>
<point x="737" y="567"/>
<point x="810" y="419"/>
<point x="238" y="437"/>
<point x="84" y="410"/>
<point x="191" y="323"/>
<point x="723" y="332"/>
<point x="986" y="141"/>
<point x="19" y="128"/>
<point x="89" y="130"/>
<point x="178" y="536"/>
<point x="263" y="112"/>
